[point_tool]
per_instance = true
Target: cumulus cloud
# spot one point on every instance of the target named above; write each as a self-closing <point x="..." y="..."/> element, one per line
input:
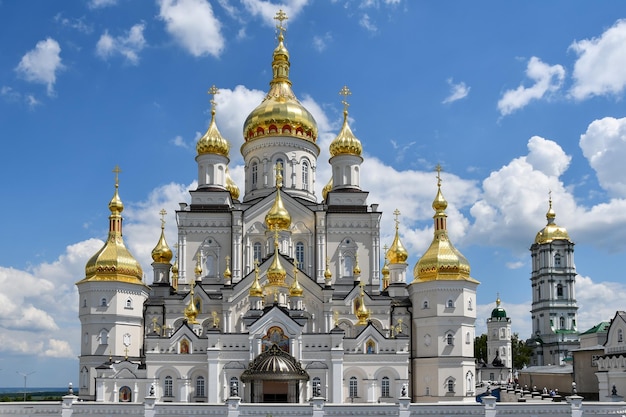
<point x="59" y="349"/>
<point x="193" y="25"/>
<point x="548" y="79"/>
<point x="128" y="46"/>
<point x="601" y="65"/>
<point x="42" y="64"/>
<point x="604" y="145"/>
<point x="457" y="91"/>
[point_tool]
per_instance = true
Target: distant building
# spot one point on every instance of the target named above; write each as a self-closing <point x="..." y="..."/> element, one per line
<point x="585" y="360"/>
<point x="612" y="363"/>
<point x="499" y="364"/>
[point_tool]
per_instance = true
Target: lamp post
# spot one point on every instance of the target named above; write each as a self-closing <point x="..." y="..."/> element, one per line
<point x="25" y="375"/>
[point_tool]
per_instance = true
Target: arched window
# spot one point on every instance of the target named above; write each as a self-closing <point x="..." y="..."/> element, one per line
<point x="200" y="387"/>
<point x="450" y="304"/>
<point x="103" y="302"/>
<point x="469" y="304"/>
<point x="256" y="248"/>
<point x="450" y="339"/>
<point x="209" y="265"/>
<point x="316" y="387"/>
<point x="168" y="387"/>
<point x="384" y="387"/>
<point x="353" y="387"/>
<point x="468" y="338"/>
<point x="129" y="303"/>
<point x="620" y="336"/>
<point x="234" y="387"/>
<point x="85" y="302"/>
<point x="103" y="337"/>
<point x="305" y="175"/>
<point x="425" y="305"/>
<point x="450" y="384"/>
<point x="300" y="254"/>
<point x="348" y="266"/>
<point x="255" y="174"/>
<point x="557" y="260"/>
<point x="559" y="290"/>
<point x="561" y="322"/>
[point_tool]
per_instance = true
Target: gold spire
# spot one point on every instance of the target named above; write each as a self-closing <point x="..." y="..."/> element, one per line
<point x="113" y="262"/>
<point x="231" y="186"/>
<point x="175" y="270"/>
<point x="362" y="313"/>
<point x="162" y="254"/>
<point x="276" y="273"/>
<point x="255" y="289"/>
<point x="280" y="113"/>
<point x="551" y="231"/>
<point x="397" y="254"/>
<point x="227" y="274"/>
<point x="198" y="269"/>
<point x="212" y="141"/>
<point x="356" y="270"/>
<point x="442" y="261"/>
<point x="327" y="188"/>
<point x="278" y="217"/>
<point x="385" y="270"/>
<point x="295" y="290"/>
<point x="328" y="276"/>
<point x="345" y="143"/>
<point x="191" y="311"/>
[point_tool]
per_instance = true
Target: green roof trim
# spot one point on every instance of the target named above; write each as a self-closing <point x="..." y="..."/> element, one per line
<point x="601" y="327"/>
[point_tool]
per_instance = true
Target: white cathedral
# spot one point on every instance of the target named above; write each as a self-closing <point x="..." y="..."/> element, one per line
<point x="278" y="295"/>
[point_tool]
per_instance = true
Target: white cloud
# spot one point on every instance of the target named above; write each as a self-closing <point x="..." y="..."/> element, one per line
<point x="41" y="65"/>
<point x="548" y="79"/>
<point x="193" y="25"/>
<point x="604" y="145"/>
<point x="128" y="46"/>
<point x="97" y="4"/>
<point x="77" y="24"/>
<point x="367" y="23"/>
<point x="601" y="65"/>
<point x="320" y="42"/>
<point x="457" y="91"/>
<point x="267" y="10"/>
<point x="59" y="349"/>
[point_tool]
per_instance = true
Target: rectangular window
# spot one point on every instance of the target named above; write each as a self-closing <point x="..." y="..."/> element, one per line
<point x="384" y="387"/>
<point x="168" y="387"/>
<point x="354" y="391"/>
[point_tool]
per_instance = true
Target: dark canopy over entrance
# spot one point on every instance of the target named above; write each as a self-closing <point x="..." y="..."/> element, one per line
<point x="274" y="376"/>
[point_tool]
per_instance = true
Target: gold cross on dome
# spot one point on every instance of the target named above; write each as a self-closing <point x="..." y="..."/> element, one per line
<point x="345" y="92"/>
<point x="162" y="213"/>
<point x="438" y="169"/>
<point x="396" y="214"/>
<point x="213" y="91"/>
<point x="279" y="176"/>
<point x="117" y="171"/>
<point x="281" y="16"/>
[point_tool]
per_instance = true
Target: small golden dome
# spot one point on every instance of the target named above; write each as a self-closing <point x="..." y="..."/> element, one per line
<point x="276" y="273"/>
<point x="345" y="143"/>
<point x="280" y="113"/>
<point x="327" y="274"/>
<point x="362" y="313"/>
<point x="191" y="311"/>
<point x="295" y="290"/>
<point x="356" y="271"/>
<point x="385" y="273"/>
<point x="162" y="254"/>
<point x="255" y="289"/>
<point x="231" y="186"/>
<point x="278" y="217"/>
<point x="227" y="274"/>
<point x="327" y="188"/>
<point x="212" y="141"/>
<point x="551" y="231"/>
<point x="198" y="269"/>
<point x="397" y="254"/>
<point x="442" y="261"/>
<point x="113" y="262"/>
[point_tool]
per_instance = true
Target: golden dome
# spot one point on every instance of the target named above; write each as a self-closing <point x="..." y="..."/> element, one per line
<point x="212" y="141"/>
<point x="295" y="290"/>
<point x="278" y="217"/>
<point x="385" y="273"/>
<point x="280" y="113"/>
<point x="442" y="261"/>
<point x="397" y="254"/>
<point x="231" y="186"/>
<point x="276" y="273"/>
<point x="113" y="262"/>
<point x="362" y="313"/>
<point x="162" y="254"/>
<point x="356" y="271"/>
<point x="327" y="188"/>
<point x="227" y="274"/>
<point x="191" y="311"/>
<point x="551" y="232"/>
<point x="327" y="274"/>
<point x="198" y="269"/>
<point x="345" y="143"/>
<point x="255" y="289"/>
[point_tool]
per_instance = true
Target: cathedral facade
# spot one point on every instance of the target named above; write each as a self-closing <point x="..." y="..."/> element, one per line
<point x="278" y="295"/>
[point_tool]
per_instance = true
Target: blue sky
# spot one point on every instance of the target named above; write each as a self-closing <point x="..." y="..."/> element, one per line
<point x="513" y="100"/>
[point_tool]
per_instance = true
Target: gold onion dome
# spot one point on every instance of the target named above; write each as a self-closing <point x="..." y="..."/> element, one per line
<point x="327" y="188"/>
<point x="551" y="232"/>
<point x="255" y="289"/>
<point x="345" y="143"/>
<point x="397" y="254"/>
<point x="442" y="261"/>
<point x="278" y="218"/>
<point x="295" y="290"/>
<point x="280" y="113"/>
<point x="327" y="274"/>
<point x="113" y="262"/>
<point x="362" y="313"/>
<point x="191" y="311"/>
<point x="212" y="141"/>
<point x="231" y="186"/>
<point x="162" y="254"/>
<point x="276" y="273"/>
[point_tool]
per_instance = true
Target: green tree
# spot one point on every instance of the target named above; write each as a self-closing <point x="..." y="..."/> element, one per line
<point x="480" y="348"/>
<point x="521" y="352"/>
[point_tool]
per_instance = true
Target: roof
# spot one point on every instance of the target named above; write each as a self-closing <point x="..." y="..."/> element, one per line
<point x="601" y="327"/>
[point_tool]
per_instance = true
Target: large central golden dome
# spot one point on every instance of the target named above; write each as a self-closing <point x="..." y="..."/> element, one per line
<point x="551" y="232"/>
<point x="280" y="113"/>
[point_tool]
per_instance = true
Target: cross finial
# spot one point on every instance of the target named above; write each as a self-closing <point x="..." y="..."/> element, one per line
<point x="396" y="214"/>
<point x="281" y="16"/>
<point x="227" y="259"/>
<point x="117" y="171"/>
<point x="213" y="91"/>
<point x="162" y="213"/>
<point x="279" y="176"/>
<point x="345" y="92"/>
<point x="438" y="169"/>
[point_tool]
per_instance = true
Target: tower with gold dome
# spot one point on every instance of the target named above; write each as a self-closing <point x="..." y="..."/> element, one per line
<point x="554" y="308"/>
